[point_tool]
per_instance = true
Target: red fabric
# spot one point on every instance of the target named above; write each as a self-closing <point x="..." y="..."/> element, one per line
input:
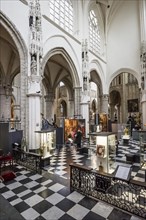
<point x="6" y="158"/>
<point x="9" y="175"/>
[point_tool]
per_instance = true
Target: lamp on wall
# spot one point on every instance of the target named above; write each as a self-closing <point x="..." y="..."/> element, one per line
<point x="7" y="90"/>
<point x="104" y="2"/>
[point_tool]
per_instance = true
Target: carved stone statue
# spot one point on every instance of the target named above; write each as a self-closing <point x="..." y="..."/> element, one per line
<point x="33" y="66"/>
<point x="126" y="131"/>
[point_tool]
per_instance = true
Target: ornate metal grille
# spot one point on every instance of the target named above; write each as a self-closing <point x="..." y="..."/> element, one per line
<point x="29" y="160"/>
<point x="129" y="196"/>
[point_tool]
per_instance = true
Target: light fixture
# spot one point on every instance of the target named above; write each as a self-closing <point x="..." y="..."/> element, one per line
<point x="103" y="2"/>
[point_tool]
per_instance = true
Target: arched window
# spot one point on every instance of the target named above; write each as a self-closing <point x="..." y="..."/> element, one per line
<point x="61" y="12"/>
<point x="94" y="33"/>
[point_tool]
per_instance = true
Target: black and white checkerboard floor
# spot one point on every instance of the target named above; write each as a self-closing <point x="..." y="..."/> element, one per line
<point x="38" y="197"/>
<point x="62" y="158"/>
<point x="47" y="196"/>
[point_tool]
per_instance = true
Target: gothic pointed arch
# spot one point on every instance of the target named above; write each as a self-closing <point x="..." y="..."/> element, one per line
<point x="19" y="52"/>
<point x="125" y="70"/>
<point x="71" y="66"/>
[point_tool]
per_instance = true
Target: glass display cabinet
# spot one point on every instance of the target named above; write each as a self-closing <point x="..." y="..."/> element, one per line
<point x="142" y="137"/>
<point x="125" y="133"/>
<point x="139" y="135"/>
<point x="105" y="151"/>
<point x="47" y="145"/>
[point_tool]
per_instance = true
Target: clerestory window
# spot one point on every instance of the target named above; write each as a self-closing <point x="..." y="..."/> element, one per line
<point x="61" y="12"/>
<point x="94" y="33"/>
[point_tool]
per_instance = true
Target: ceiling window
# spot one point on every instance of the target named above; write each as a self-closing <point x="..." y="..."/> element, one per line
<point x="61" y="12"/>
<point x="94" y="33"/>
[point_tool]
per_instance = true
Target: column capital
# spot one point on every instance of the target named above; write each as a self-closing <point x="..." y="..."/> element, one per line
<point x="49" y="97"/>
<point x="77" y="88"/>
<point x="105" y="96"/>
<point x="71" y="100"/>
<point x="6" y="90"/>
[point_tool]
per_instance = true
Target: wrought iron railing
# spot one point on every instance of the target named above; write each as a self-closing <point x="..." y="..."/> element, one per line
<point x="126" y="195"/>
<point x="28" y="160"/>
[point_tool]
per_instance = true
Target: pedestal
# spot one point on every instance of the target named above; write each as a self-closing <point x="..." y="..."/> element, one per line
<point x="45" y="161"/>
<point x="126" y="139"/>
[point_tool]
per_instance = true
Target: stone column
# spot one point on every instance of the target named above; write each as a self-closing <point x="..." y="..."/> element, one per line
<point x="49" y="106"/>
<point x="143" y="102"/>
<point x="70" y="108"/>
<point x="143" y="84"/>
<point x="77" y="100"/>
<point x="112" y="109"/>
<point x="104" y="104"/>
<point x="16" y="109"/>
<point x="34" y="73"/>
<point x="5" y="101"/>
<point x="85" y="67"/>
<point x="142" y="12"/>
<point x="34" y="97"/>
<point x="85" y="104"/>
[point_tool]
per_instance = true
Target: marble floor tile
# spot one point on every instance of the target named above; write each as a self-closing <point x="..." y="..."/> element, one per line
<point x="31" y="184"/>
<point x="53" y="213"/>
<point x="31" y="201"/>
<point x="56" y="187"/>
<point x="102" y="209"/>
<point x="65" y="204"/>
<point x="42" y="206"/>
<point x="78" y="211"/>
<point x="55" y="198"/>
<point x="8" y="194"/>
<point x="30" y="214"/>
<point x="75" y="197"/>
<point x="24" y="193"/>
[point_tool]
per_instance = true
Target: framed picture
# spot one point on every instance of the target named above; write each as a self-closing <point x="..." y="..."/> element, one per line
<point x="71" y="127"/>
<point x="133" y="105"/>
<point x="100" y="150"/>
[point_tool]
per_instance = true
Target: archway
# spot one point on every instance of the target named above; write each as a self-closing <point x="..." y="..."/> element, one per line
<point x="114" y="105"/>
<point x="124" y="89"/>
<point x="59" y="81"/>
<point x="12" y="63"/>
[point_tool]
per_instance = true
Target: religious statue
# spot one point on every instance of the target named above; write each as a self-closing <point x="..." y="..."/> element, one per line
<point x="33" y="66"/>
<point x="126" y="131"/>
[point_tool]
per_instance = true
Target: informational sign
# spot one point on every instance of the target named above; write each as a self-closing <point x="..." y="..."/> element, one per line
<point x="123" y="172"/>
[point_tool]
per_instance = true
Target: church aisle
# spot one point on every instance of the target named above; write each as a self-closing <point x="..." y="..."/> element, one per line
<point x="32" y="196"/>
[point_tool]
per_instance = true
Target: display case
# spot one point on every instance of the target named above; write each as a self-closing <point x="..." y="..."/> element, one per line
<point x="105" y="150"/>
<point x="123" y="131"/>
<point x="142" y="148"/>
<point x="47" y="145"/>
<point x="139" y="135"/>
<point x="142" y="136"/>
